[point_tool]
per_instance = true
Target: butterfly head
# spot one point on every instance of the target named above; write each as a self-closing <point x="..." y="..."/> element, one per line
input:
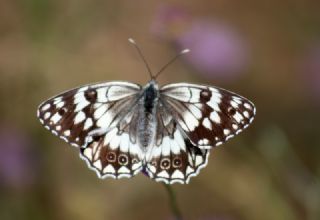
<point x="153" y="84"/>
<point x="152" y="88"/>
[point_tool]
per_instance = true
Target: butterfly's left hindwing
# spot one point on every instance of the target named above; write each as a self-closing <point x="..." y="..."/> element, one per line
<point x="173" y="158"/>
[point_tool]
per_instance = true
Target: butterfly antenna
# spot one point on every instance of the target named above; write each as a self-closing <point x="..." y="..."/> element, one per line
<point x="171" y="61"/>
<point x="141" y="55"/>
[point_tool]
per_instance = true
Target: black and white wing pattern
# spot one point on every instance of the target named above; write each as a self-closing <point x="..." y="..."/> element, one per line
<point x="173" y="158"/>
<point x="191" y="120"/>
<point x="97" y="119"/>
<point x="208" y="116"/>
<point x="102" y="120"/>
<point x="72" y="115"/>
<point x="115" y="153"/>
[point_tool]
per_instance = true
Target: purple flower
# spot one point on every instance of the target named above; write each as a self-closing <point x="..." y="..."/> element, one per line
<point x="16" y="167"/>
<point x="217" y="51"/>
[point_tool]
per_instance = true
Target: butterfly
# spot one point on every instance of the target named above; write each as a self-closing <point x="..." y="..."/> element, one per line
<point x="122" y="128"/>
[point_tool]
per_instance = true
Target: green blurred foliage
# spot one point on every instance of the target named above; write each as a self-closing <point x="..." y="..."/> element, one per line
<point x="270" y="171"/>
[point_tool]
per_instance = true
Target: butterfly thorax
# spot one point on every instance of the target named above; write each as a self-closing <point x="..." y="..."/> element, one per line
<point x="147" y="115"/>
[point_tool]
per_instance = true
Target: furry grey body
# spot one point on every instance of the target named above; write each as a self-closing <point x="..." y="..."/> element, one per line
<point x="147" y="120"/>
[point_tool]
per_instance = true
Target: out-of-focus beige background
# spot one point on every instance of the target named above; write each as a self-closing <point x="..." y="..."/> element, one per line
<point x="268" y="51"/>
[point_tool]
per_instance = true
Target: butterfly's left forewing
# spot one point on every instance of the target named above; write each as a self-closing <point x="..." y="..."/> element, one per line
<point x="208" y="116"/>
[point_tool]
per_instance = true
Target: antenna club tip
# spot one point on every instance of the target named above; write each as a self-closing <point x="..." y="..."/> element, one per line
<point x="185" y="51"/>
<point x="131" y="41"/>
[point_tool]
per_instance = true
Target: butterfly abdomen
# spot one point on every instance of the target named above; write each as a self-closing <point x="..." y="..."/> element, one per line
<point x="147" y="115"/>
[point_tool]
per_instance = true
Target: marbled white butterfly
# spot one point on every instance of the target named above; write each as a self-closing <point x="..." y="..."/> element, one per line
<point x="122" y="128"/>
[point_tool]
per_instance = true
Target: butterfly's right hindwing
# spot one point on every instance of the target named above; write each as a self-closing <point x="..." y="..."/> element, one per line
<point x="113" y="155"/>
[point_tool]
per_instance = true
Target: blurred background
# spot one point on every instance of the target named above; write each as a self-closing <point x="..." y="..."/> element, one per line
<point x="267" y="51"/>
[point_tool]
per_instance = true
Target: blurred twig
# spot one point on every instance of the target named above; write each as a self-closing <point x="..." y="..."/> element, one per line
<point x="173" y="202"/>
